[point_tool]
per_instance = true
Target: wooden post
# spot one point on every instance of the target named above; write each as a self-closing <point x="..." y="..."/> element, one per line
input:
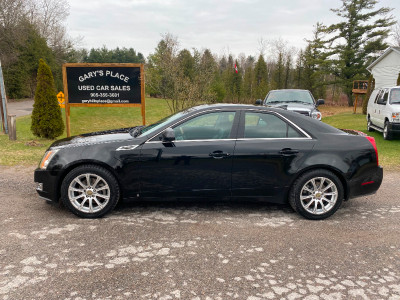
<point x="3" y="122"/>
<point x="12" y="127"/>
<point x="143" y="95"/>
<point x="66" y="103"/>
<point x="355" y="105"/>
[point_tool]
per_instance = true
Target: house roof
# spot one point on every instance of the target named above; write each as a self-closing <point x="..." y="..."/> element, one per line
<point x="387" y="51"/>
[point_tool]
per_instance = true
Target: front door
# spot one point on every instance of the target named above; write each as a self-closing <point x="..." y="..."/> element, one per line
<point x="197" y="163"/>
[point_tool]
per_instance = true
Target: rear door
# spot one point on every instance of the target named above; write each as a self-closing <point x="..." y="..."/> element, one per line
<point x="268" y="152"/>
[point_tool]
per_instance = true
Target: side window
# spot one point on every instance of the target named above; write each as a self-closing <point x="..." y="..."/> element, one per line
<point x="378" y="96"/>
<point x="211" y="126"/>
<point x="385" y="97"/>
<point x="382" y="97"/>
<point x="264" y="125"/>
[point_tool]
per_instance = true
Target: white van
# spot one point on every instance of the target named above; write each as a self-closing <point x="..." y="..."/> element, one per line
<point x="383" y="111"/>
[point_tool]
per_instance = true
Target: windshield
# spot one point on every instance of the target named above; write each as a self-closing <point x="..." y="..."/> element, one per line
<point x="284" y="96"/>
<point x="395" y="96"/>
<point x="153" y="127"/>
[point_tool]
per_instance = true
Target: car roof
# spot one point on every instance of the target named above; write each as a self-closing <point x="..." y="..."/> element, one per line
<point x="289" y="90"/>
<point x="310" y="125"/>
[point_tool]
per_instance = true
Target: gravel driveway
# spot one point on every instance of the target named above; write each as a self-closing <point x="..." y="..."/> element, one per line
<point x="194" y="250"/>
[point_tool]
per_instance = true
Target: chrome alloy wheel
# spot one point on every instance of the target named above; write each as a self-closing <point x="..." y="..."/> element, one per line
<point x="89" y="193"/>
<point x="318" y="195"/>
<point x="385" y="131"/>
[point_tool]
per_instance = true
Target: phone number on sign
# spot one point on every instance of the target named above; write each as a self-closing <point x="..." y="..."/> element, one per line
<point x="112" y="95"/>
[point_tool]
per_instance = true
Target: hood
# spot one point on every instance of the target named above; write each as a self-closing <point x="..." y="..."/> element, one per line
<point x="293" y="106"/>
<point x="98" y="137"/>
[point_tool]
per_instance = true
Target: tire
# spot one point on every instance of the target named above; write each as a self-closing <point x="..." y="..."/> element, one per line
<point x="369" y="123"/>
<point x="90" y="191"/>
<point x="387" y="134"/>
<point x="313" y="202"/>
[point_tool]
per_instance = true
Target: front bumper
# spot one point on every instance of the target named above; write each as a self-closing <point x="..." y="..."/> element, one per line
<point x="394" y="127"/>
<point x="366" y="184"/>
<point x="46" y="184"/>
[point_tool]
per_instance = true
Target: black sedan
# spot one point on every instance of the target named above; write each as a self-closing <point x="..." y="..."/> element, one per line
<point x="218" y="151"/>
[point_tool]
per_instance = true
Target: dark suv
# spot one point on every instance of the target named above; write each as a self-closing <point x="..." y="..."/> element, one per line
<point x="300" y="101"/>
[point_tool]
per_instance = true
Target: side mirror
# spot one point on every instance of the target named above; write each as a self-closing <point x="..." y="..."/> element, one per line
<point x="168" y="135"/>
<point x="258" y="102"/>
<point x="320" y="102"/>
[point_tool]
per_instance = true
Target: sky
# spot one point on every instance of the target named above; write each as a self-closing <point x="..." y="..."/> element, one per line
<point x="223" y="26"/>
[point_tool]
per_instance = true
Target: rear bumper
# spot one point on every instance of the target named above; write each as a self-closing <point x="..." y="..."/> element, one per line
<point x="46" y="184"/>
<point x="366" y="184"/>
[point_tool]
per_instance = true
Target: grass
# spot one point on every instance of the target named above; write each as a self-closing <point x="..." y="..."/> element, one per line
<point x="28" y="149"/>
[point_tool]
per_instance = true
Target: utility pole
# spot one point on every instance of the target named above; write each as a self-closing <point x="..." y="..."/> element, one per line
<point x="3" y="102"/>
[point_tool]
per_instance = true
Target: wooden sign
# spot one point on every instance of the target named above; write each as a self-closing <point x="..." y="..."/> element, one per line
<point x="103" y="85"/>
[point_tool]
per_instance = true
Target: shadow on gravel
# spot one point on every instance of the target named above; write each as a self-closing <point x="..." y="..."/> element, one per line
<point x="203" y="205"/>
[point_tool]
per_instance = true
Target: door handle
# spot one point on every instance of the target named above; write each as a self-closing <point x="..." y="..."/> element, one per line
<point x="288" y="151"/>
<point x="219" y="154"/>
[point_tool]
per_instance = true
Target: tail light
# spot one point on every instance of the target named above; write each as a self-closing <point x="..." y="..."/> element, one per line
<point x="372" y="141"/>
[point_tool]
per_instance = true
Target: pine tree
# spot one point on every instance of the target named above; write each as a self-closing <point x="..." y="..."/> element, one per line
<point x="357" y="40"/>
<point x="46" y="115"/>
<point x="261" y="86"/>
<point x="279" y="71"/>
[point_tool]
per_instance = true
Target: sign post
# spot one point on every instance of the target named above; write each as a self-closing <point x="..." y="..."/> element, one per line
<point x="3" y="102"/>
<point x="103" y="85"/>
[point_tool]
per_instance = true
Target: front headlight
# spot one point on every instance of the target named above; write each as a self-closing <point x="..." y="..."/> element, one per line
<point x="47" y="158"/>
<point x="316" y="115"/>
<point x="396" y="117"/>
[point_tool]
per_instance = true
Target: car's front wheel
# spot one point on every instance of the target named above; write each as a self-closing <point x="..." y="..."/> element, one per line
<point x="387" y="134"/>
<point x="317" y="194"/>
<point x="90" y="191"/>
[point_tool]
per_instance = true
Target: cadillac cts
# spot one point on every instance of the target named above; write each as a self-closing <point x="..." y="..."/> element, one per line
<point x="219" y="151"/>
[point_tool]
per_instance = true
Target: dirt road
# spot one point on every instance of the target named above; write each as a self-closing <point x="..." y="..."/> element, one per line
<point x="197" y="250"/>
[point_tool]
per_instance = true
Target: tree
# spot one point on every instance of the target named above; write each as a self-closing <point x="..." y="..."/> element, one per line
<point x="187" y="63"/>
<point x="396" y="34"/>
<point x="117" y="55"/>
<point x="261" y="79"/>
<point x="46" y="115"/>
<point x="357" y="40"/>
<point x="184" y="78"/>
<point x="370" y="88"/>
<point x="20" y="74"/>
<point x="24" y="25"/>
<point x="162" y="68"/>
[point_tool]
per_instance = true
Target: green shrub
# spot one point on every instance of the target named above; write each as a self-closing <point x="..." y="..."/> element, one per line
<point x="46" y="115"/>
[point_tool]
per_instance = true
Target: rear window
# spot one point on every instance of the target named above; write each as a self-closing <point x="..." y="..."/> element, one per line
<point x="311" y="125"/>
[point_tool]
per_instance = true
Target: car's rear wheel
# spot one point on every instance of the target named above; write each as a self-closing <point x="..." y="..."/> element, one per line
<point x="317" y="194"/>
<point x="369" y="123"/>
<point x="387" y="134"/>
<point x="90" y="191"/>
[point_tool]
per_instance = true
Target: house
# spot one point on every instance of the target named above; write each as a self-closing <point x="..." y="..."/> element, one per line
<point x="386" y="68"/>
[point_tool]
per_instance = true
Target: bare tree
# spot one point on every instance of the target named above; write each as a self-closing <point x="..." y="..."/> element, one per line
<point x="396" y="34"/>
